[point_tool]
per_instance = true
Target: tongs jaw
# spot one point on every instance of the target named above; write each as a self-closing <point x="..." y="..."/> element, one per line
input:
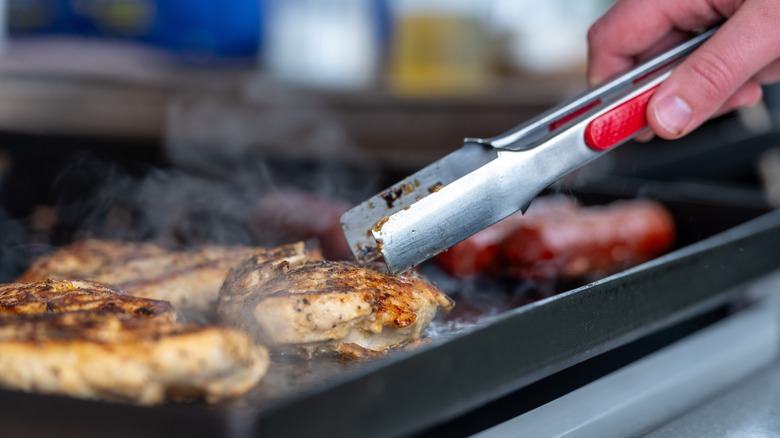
<point x="487" y="180"/>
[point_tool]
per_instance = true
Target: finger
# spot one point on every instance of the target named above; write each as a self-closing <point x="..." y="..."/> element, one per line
<point x="645" y="136"/>
<point x="632" y="27"/>
<point x="703" y="83"/>
<point x="748" y="95"/>
<point x="666" y="42"/>
<point x="671" y="39"/>
<point x="769" y="74"/>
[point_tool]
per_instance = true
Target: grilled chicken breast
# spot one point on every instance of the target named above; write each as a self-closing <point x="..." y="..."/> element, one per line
<point x="81" y="339"/>
<point x="83" y="259"/>
<point x="315" y="306"/>
<point x="112" y="357"/>
<point x="190" y="280"/>
<point x="68" y="296"/>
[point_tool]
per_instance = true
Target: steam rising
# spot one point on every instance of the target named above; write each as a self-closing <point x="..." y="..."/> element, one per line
<point x="166" y="206"/>
<point x="15" y="253"/>
<point x="176" y="208"/>
<point x="223" y="155"/>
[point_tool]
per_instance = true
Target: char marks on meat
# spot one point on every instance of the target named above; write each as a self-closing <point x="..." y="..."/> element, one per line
<point x="61" y="296"/>
<point x="86" y="340"/>
<point x="190" y="280"/>
<point x="317" y="306"/>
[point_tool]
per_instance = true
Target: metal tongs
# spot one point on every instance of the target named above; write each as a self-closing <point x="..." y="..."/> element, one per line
<point x="487" y="180"/>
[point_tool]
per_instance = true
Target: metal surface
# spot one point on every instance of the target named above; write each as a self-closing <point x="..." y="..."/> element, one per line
<point x="749" y="409"/>
<point x="482" y="197"/>
<point x="656" y="388"/>
<point x="358" y="222"/>
<point x="472" y="189"/>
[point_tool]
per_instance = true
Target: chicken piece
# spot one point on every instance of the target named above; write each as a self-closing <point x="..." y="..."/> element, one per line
<point x="114" y="357"/>
<point x="82" y="259"/>
<point x="190" y="280"/>
<point x="295" y="304"/>
<point x="82" y="339"/>
<point x="74" y="295"/>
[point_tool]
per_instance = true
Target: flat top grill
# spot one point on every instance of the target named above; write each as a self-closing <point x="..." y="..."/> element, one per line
<point x="476" y="357"/>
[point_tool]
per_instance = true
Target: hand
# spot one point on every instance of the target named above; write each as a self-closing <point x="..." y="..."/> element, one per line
<point x="725" y="73"/>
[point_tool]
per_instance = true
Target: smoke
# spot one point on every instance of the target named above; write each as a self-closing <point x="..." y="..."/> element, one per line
<point x="224" y="157"/>
<point x="20" y="238"/>
<point x="212" y="135"/>
<point x="15" y="252"/>
<point x="174" y="207"/>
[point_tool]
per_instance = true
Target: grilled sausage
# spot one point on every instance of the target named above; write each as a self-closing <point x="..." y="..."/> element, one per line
<point x="565" y="243"/>
<point x="596" y="241"/>
<point x="288" y="216"/>
<point x="480" y="253"/>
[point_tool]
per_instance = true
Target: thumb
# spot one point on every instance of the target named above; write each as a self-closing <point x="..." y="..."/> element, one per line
<point x="714" y="75"/>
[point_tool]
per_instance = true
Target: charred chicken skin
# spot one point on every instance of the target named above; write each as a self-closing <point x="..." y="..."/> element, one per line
<point x="190" y="280"/>
<point x="85" y="340"/>
<point x="61" y="296"/>
<point x="296" y="304"/>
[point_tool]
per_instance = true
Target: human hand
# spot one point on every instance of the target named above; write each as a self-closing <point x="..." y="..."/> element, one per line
<point x="725" y="73"/>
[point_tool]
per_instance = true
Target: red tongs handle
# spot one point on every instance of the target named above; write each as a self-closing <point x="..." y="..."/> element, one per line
<point x="619" y="123"/>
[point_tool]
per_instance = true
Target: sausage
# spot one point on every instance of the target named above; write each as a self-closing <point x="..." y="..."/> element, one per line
<point x="287" y="215"/>
<point x="556" y="239"/>
<point x="479" y="254"/>
<point x="596" y="241"/>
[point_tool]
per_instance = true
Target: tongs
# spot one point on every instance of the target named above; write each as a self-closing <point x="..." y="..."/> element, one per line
<point x="489" y="179"/>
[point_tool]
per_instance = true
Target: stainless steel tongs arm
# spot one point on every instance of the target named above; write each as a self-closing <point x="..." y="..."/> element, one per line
<point x="488" y="179"/>
<point x="539" y="129"/>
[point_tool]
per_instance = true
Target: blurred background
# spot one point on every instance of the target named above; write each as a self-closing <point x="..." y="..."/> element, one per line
<point x="173" y="120"/>
<point x="378" y="63"/>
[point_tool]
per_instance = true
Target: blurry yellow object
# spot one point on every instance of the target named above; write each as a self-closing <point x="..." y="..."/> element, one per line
<point x="128" y="17"/>
<point x="439" y="54"/>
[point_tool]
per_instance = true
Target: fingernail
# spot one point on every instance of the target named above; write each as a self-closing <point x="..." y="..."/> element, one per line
<point x="673" y="114"/>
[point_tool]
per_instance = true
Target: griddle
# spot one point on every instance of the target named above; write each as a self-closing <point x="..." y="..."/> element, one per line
<point x="727" y="238"/>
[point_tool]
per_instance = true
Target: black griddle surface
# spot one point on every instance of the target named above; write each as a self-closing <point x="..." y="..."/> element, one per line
<point x="492" y="345"/>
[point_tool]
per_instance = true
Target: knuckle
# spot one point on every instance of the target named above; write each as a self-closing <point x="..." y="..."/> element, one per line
<point x="595" y="34"/>
<point x="713" y="74"/>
